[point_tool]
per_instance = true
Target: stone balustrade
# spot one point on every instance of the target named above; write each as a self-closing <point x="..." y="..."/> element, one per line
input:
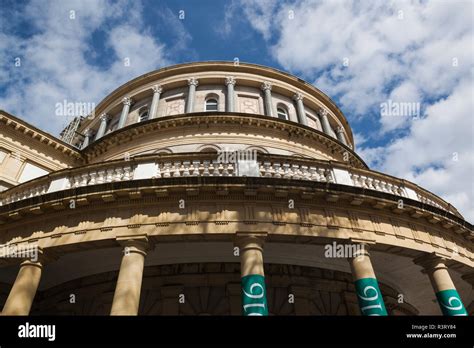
<point x="378" y="184"/>
<point x="201" y="164"/>
<point x="295" y="171"/>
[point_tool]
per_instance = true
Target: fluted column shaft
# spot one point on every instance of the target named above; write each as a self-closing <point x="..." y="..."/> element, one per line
<point x="87" y="138"/>
<point x="20" y="298"/>
<point x="298" y="98"/>
<point x="230" y="97"/>
<point x="267" y="92"/>
<point x="192" y="83"/>
<point x="157" y="90"/>
<point x="125" y="110"/>
<point x="325" y="123"/>
<point x="448" y="298"/>
<point x="104" y="118"/>
<point x="127" y="291"/>
<point x="340" y="135"/>
<point x="368" y="292"/>
<point x="254" y="294"/>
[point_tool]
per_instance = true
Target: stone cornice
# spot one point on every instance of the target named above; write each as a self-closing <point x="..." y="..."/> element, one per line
<point x="143" y="207"/>
<point x="134" y="130"/>
<point x="36" y="134"/>
<point x="230" y="188"/>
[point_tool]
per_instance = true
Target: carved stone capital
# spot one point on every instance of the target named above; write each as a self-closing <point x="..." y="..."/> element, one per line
<point x="193" y="82"/>
<point x="298" y="97"/>
<point x="266" y="86"/>
<point x="323" y="113"/>
<point x="137" y="244"/>
<point x="104" y="117"/>
<point x="230" y="80"/>
<point x="88" y="132"/>
<point x="431" y="262"/>
<point x="157" y="89"/>
<point x="250" y="240"/>
<point x="127" y="101"/>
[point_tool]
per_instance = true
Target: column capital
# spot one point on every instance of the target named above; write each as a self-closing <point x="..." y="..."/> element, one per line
<point x="298" y="97"/>
<point x="230" y="80"/>
<point x="104" y="117"/>
<point x="88" y="132"/>
<point x="138" y="244"/>
<point x="127" y="101"/>
<point x="431" y="262"/>
<point x="323" y="112"/>
<point x="363" y="248"/>
<point x="31" y="255"/>
<point x="266" y="86"/>
<point x="157" y="89"/>
<point x="339" y="129"/>
<point x="250" y="240"/>
<point x="193" y="82"/>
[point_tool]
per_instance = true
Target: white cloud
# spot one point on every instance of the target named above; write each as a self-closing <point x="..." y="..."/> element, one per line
<point x="407" y="51"/>
<point x="57" y="62"/>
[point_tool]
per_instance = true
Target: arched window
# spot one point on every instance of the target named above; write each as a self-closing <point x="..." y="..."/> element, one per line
<point x="211" y="104"/>
<point x="282" y="113"/>
<point x="143" y="116"/>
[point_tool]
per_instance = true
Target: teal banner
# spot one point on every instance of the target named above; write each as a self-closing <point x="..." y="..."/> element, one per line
<point x="450" y="303"/>
<point x="254" y="295"/>
<point x="369" y="296"/>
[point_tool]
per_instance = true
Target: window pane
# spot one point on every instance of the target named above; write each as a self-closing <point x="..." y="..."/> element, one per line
<point x="144" y="116"/>
<point x="282" y="114"/>
<point x="211" y="105"/>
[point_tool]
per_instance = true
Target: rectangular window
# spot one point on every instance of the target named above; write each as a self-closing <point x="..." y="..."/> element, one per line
<point x="31" y="171"/>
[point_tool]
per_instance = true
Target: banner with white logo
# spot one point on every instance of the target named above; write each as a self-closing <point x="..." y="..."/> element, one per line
<point x="369" y="296"/>
<point x="450" y="303"/>
<point x="254" y="295"/>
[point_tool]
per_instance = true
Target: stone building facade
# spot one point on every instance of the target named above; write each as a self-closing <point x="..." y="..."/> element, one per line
<point x="135" y="212"/>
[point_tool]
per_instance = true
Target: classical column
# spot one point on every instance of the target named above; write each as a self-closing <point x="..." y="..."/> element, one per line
<point x="254" y="294"/>
<point x="104" y="118"/>
<point x="366" y="285"/>
<point x="129" y="283"/>
<point x="267" y="91"/>
<point x="448" y="298"/>
<point x="24" y="289"/>
<point x="340" y="135"/>
<point x="157" y="90"/>
<point x="298" y="98"/>
<point x="325" y="122"/>
<point x="192" y="83"/>
<point x="127" y="101"/>
<point x="230" y="83"/>
<point x="87" y="138"/>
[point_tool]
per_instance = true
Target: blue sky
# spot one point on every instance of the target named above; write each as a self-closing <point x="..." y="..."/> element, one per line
<point x="361" y="53"/>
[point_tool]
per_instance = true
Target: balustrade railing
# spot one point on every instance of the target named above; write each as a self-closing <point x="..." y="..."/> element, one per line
<point x="201" y="164"/>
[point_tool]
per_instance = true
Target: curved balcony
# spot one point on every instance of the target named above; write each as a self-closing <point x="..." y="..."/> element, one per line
<point x="207" y="165"/>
